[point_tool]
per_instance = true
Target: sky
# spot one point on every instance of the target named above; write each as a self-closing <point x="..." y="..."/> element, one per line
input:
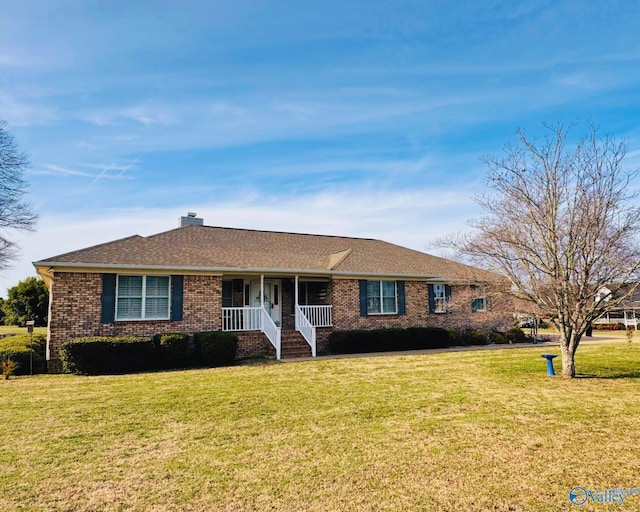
<point x="359" y="118"/>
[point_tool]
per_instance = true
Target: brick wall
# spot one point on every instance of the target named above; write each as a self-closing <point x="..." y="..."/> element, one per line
<point x="346" y="309"/>
<point x="75" y="311"/>
<point x="345" y="296"/>
<point x="497" y="316"/>
<point x="254" y="344"/>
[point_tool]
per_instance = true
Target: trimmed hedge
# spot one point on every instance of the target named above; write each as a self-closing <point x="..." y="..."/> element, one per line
<point x="610" y="327"/>
<point x="516" y="335"/>
<point x="386" y="340"/>
<point x="498" y="338"/>
<point x="18" y="348"/>
<point x="215" y="348"/>
<point x="416" y="338"/>
<point x="99" y="355"/>
<point x="172" y="349"/>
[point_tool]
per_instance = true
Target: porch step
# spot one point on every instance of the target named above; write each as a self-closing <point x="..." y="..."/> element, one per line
<point x="293" y="345"/>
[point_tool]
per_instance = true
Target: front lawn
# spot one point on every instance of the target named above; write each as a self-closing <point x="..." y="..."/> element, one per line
<point x="481" y="430"/>
<point x="8" y="330"/>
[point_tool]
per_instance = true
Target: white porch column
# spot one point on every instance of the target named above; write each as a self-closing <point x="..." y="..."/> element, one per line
<point x="262" y="291"/>
<point x="296" y="292"/>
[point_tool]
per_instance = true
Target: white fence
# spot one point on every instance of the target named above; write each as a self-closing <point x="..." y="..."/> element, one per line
<point x="257" y="319"/>
<point x="271" y="330"/>
<point x="241" y="319"/>
<point x="318" y="316"/>
<point x="628" y="319"/>
<point x="308" y="331"/>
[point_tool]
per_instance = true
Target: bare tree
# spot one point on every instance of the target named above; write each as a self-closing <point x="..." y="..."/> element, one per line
<point x="561" y="223"/>
<point x="15" y="213"/>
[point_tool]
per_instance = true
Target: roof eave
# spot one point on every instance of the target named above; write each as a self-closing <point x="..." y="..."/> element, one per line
<point x="46" y="268"/>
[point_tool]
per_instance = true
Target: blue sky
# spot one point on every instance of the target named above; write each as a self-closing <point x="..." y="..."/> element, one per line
<point x="353" y="118"/>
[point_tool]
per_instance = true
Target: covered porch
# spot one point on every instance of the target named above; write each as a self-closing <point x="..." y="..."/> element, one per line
<point x="627" y="317"/>
<point x="273" y="304"/>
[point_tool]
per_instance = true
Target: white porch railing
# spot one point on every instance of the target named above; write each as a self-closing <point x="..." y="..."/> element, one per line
<point x="252" y="319"/>
<point x="308" y="331"/>
<point x="241" y="319"/>
<point x="271" y="330"/>
<point x="318" y="316"/>
<point x="258" y="319"/>
<point x="617" y="318"/>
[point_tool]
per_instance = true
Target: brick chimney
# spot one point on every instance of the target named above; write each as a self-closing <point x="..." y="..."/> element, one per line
<point x="191" y="220"/>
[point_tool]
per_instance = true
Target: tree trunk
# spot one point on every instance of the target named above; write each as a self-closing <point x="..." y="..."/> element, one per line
<point x="568" y="359"/>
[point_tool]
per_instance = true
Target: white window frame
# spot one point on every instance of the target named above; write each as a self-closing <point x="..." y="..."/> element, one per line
<point x="484" y="305"/>
<point x="143" y="299"/>
<point x="439" y="298"/>
<point x="381" y="297"/>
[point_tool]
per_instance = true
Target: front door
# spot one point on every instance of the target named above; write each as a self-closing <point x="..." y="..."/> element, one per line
<point x="272" y="298"/>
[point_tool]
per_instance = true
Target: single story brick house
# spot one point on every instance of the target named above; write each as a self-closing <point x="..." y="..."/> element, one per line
<point x="282" y="293"/>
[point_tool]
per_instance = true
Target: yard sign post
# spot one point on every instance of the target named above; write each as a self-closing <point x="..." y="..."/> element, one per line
<point x="30" y="324"/>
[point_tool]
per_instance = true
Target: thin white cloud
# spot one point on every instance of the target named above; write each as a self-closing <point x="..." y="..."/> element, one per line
<point x="143" y="114"/>
<point x="109" y="171"/>
<point x="25" y="112"/>
<point x="412" y="218"/>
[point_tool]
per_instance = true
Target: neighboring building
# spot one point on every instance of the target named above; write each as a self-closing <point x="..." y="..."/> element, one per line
<point x="282" y="293"/>
<point x="626" y="312"/>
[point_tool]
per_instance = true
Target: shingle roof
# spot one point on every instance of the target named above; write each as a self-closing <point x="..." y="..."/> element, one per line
<point x="217" y="248"/>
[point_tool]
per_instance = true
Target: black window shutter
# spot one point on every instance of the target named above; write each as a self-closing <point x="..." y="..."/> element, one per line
<point x="402" y="304"/>
<point x="108" y="299"/>
<point x="177" y="285"/>
<point x="363" y="297"/>
<point x="432" y="299"/>
<point x="447" y="292"/>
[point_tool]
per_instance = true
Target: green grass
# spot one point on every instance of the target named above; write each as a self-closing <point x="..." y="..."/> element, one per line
<point x="14" y="329"/>
<point x="481" y="430"/>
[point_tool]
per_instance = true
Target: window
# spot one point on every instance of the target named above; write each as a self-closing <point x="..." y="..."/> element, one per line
<point x="439" y="298"/>
<point x="311" y="293"/>
<point x="227" y="294"/>
<point x="142" y="298"/>
<point x="382" y="297"/>
<point x="479" y="304"/>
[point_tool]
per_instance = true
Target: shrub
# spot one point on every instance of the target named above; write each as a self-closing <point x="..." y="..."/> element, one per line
<point x="172" y="349"/>
<point x="386" y="340"/>
<point x="349" y="342"/>
<point x="428" y="337"/>
<point x="215" y="348"/>
<point x="455" y="338"/>
<point x="498" y="338"/>
<point x="609" y="327"/>
<point x="543" y="325"/>
<point x="8" y="367"/>
<point x="515" y="335"/>
<point x="474" y="337"/>
<point x="99" y="355"/>
<point x="20" y="350"/>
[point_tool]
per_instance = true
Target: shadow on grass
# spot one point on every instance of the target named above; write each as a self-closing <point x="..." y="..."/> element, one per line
<point x="619" y="375"/>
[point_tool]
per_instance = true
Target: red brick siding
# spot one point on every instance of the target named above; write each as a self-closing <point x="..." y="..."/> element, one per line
<point x="254" y="344"/>
<point x="345" y="295"/>
<point x="75" y="311"/>
<point x="346" y="309"/>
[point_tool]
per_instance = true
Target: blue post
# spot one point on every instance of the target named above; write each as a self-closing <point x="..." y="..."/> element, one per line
<point x="549" y="358"/>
